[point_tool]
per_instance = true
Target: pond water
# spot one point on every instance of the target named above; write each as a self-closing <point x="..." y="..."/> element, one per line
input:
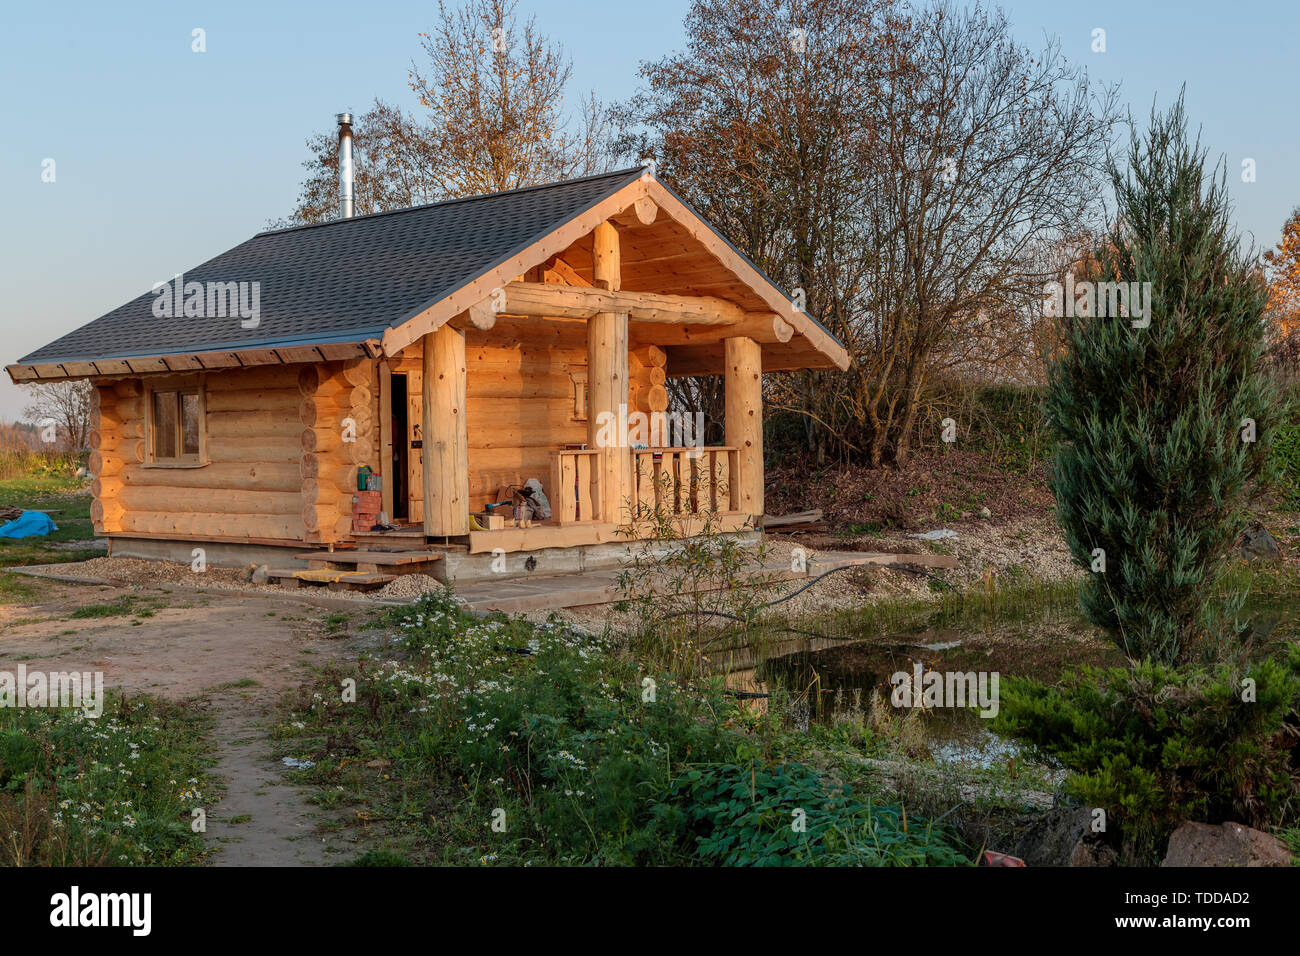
<point x="836" y="677"/>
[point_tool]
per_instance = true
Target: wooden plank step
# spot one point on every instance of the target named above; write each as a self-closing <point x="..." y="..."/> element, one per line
<point x="339" y="581"/>
<point x="370" y="557"/>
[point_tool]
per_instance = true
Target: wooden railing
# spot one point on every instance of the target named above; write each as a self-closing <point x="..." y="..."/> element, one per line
<point x="577" y="483"/>
<point x="666" y="482"/>
<point x="684" y="481"/>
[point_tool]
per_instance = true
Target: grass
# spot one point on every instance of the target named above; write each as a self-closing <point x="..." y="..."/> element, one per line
<point x="504" y="742"/>
<point x="119" y="789"/>
<point x="121" y="607"/>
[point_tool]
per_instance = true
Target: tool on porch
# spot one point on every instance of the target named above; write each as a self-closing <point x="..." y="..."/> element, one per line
<point x="535" y="505"/>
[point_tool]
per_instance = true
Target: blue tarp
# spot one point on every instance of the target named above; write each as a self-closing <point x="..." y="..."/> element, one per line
<point x="29" y="524"/>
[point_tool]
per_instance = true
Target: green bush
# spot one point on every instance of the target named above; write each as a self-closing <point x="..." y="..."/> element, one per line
<point x="1156" y="745"/>
<point x="785" y="816"/>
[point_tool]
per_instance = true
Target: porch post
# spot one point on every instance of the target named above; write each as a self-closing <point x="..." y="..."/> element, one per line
<point x="743" y="392"/>
<point x="445" y="433"/>
<point x="607" y="378"/>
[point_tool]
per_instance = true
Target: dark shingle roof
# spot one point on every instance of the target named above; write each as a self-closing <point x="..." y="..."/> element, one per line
<point x="345" y="280"/>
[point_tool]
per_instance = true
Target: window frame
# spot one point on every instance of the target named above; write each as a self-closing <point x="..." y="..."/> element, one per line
<point x="181" y="386"/>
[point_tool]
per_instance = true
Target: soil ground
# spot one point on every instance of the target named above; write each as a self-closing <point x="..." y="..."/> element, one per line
<point x="231" y="653"/>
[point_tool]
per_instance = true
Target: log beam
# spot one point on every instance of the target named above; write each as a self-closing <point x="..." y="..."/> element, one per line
<point x="446" y="434"/>
<point x="743" y="392"/>
<point x="577" y="302"/>
<point x="607" y="371"/>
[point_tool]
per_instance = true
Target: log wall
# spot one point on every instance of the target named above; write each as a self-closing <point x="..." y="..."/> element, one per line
<point x="249" y="490"/>
<point x="280" y="466"/>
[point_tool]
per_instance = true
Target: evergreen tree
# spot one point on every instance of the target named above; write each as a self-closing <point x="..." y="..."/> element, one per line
<point x="1156" y="451"/>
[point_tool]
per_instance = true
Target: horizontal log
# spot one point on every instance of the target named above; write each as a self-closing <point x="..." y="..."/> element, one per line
<point x="240" y="449"/>
<point x="533" y="332"/>
<point x="252" y="400"/>
<point x="101" y="464"/>
<point x="107" y="511"/>
<point x="318" y="412"/>
<point x="649" y="355"/>
<point x="220" y="474"/>
<point x="575" y="302"/>
<point x="329" y="441"/>
<point x="361" y="395"/>
<point x="266" y="425"/>
<point x="106" y="487"/>
<point x="764" y="328"/>
<point x="651" y="398"/>
<point x="361" y="372"/>
<point x="317" y="517"/>
<point x="252" y="378"/>
<point x="327" y="468"/>
<point x="320" y="381"/>
<point x="318" y="492"/>
<point x="199" y="525"/>
<point x="496" y="383"/>
<point x="211" y="501"/>
<point x="523" y="360"/>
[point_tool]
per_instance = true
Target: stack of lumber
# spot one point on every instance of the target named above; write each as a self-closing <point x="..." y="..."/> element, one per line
<point x="647" y="372"/>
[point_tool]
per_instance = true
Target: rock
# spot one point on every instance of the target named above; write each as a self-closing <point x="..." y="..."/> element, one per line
<point x="261" y="575"/>
<point x="1229" y="844"/>
<point x="1064" y="837"/>
<point x="1257" y="544"/>
<point x="985" y="513"/>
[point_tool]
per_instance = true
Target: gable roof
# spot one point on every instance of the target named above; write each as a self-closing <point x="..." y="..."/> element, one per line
<point x="344" y="279"/>
<point x="354" y="280"/>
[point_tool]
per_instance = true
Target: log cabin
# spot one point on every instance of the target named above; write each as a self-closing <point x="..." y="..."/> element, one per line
<point x="451" y="351"/>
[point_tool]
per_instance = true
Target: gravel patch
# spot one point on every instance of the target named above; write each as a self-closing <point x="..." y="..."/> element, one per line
<point x="408" y="587"/>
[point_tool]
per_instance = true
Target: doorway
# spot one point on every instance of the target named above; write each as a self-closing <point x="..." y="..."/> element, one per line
<point x="399" y="475"/>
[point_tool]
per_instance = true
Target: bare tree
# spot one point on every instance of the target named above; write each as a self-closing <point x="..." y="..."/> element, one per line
<point x="61" y="412"/>
<point x="987" y="152"/>
<point x="899" y="169"/>
<point x="494" y="91"/>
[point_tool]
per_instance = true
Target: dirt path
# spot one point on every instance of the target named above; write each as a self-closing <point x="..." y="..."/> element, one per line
<point x="262" y="820"/>
<point x="236" y="655"/>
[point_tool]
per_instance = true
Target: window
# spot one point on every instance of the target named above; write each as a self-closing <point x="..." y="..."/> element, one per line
<point x="176" y="426"/>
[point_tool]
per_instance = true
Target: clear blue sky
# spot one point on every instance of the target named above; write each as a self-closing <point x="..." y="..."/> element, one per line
<point x="165" y="157"/>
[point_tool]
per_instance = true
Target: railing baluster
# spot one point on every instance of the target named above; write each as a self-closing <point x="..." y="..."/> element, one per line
<point x="583" y="503"/>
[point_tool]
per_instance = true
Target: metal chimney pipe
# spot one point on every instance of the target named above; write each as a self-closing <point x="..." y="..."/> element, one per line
<point x="346" y="172"/>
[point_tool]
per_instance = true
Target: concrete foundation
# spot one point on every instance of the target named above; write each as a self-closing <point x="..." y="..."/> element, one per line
<point x="460" y="568"/>
<point x="216" y="555"/>
<point x="455" y="568"/>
